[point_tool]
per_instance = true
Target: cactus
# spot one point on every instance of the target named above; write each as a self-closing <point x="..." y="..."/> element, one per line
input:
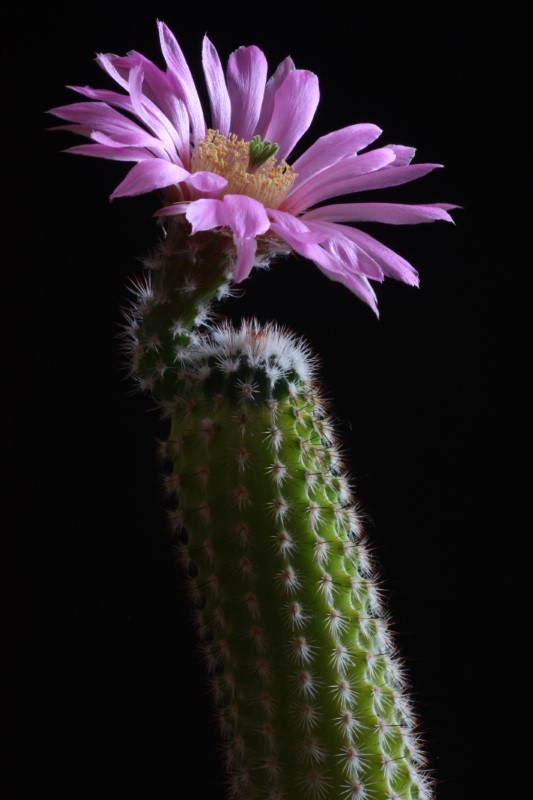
<point x="307" y="692"/>
<point x="306" y="687"/>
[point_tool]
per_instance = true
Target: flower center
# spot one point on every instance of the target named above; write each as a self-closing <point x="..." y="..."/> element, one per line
<point x="249" y="167"/>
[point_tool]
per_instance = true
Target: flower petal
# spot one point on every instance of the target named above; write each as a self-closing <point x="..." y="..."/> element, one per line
<point x="247" y="72"/>
<point x="208" y="183"/>
<point x="206" y="214"/>
<point x="172" y="210"/>
<point x="392" y="264"/>
<point x="106" y="96"/>
<point x="289" y="224"/>
<point x="395" y="176"/>
<point x="246" y="250"/>
<point x="404" y="155"/>
<point x="273" y="84"/>
<point x="301" y="241"/>
<point x="112" y="153"/>
<point x="245" y="216"/>
<point x="217" y="89"/>
<point x="347" y="254"/>
<point x="105" y="61"/>
<point x="162" y="101"/>
<point x="357" y="284"/>
<point x="391" y="213"/>
<point x="98" y="116"/>
<point x="154" y="173"/>
<point x="328" y="262"/>
<point x="138" y="138"/>
<point x="333" y="147"/>
<point x="182" y="80"/>
<point x="338" y="179"/>
<point x="151" y="115"/>
<point x="295" y="104"/>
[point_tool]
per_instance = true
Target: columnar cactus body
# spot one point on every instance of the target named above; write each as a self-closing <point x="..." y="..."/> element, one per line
<point x="307" y="693"/>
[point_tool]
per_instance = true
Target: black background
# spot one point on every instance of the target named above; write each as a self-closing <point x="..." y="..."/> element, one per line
<point x="110" y="698"/>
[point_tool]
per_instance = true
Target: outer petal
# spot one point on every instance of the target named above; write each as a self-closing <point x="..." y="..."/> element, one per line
<point x="404" y="155"/>
<point x="357" y="284"/>
<point x="245" y="216"/>
<point x="150" y="114"/>
<point x="204" y="214"/>
<point x="246" y="249"/>
<point x="394" y="176"/>
<point x="392" y="213"/>
<point x="294" y="226"/>
<point x="247" y="72"/>
<point x="112" y="153"/>
<point x="105" y="60"/>
<point x="302" y="241"/>
<point x="216" y="86"/>
<point x="173" y="209"/>
<point x="105" y="95"/>
<point x="392" y="264"/>
<point x="163" y="101"/>
<point x="138" y="138"/>
<point x="332" y="148"/>
<point x="154" y="173"/>
<point x="273" y="84"/>
<point x="98" y="116"/>
<point x="295" y="104"/>
<point x="207" y="183"/>
<point x="182" y="80"/>
<point x="341" y="178"/>
<point x="328" y="262"/>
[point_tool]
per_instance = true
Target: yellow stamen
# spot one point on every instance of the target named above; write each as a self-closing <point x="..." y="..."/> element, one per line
<point x="229" y="157"/>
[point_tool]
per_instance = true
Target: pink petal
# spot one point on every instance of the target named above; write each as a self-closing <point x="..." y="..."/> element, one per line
<point x="182" y="80"/>
<point x="404" y="155"/>
<point x="208" y="183"/>
<point x="341" y="178"/>
<point x="138" y="138"/>
<point x="106" y="96"/>
<point x="98" y="116"/>
<point x="393" y="176"/>
<point x="351" y="258"/>
<point x="392" y="264"/>
<point x="151" y="115"/>
<point x="247" y="71"/>
<point x="112" y="153"/>
<point x="155" y="173"/>
<point x="294" y="226"/>
<point x="245" y="216"/>
<point x="302" y="243"/>
<point x="357" y="284"/>
<point x="105" y="60"/>
<point x="163" y="102"/>
<point x="295" y="104"/>
<point x="172" y="210"/>
<point x="333" y="147"/>
<point x="273" y="84"/>
<point x="392" y="213"/>
<point x="217" y="89"/>
<point x="205" y="215"/>
<point x="246" y="249"/>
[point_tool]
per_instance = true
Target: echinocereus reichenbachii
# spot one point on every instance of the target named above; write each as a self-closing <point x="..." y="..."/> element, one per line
<point x="307" y="690"/>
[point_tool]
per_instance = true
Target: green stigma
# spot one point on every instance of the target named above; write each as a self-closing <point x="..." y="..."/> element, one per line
<point x="260" y="151"/>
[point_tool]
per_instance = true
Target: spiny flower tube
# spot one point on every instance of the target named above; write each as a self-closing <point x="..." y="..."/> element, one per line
<point x="307" y="690"/>
<point x="235" y="176"/>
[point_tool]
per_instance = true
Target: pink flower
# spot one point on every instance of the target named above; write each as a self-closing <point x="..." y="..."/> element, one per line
<point x="235" y="175"/>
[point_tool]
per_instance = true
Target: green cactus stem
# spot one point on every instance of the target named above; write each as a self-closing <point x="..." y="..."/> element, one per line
<point x="306" y="688"/>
